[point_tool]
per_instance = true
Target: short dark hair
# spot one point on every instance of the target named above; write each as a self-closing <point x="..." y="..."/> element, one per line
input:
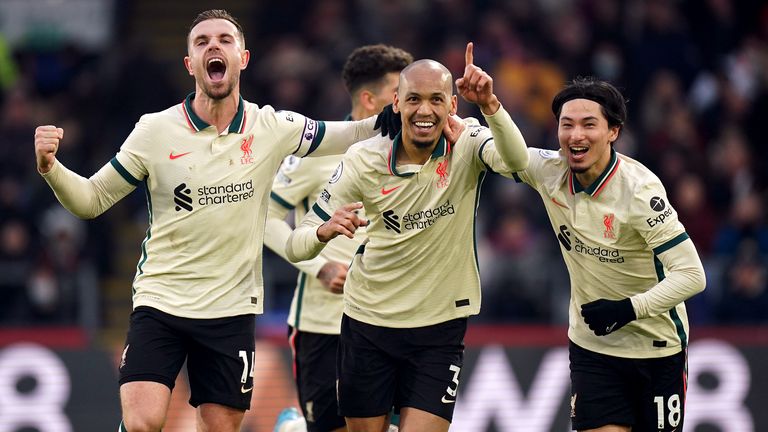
<point x="612" y="103"/>
<point x="217" y="14"/>
<point x="369" y="64"/>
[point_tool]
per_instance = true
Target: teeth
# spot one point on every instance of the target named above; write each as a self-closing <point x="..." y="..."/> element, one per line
<point x="424" y="124"/>
<point x="215" y="60"/>
<point x="578" y="149"/>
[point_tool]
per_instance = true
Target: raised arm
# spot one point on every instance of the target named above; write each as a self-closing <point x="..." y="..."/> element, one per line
<point x="84" y="197"/>
<point x="476" y="86"/>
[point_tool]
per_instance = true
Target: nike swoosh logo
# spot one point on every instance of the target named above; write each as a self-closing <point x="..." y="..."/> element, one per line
<point x="176" y="156"/>
<point x="245" y="390"/>
<point x="447" y="401"/>
<point x="388" y="191"/>
<point x="610" y="329"/>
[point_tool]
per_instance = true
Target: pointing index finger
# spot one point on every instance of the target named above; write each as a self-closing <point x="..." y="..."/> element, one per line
<point x="469" y="57"/>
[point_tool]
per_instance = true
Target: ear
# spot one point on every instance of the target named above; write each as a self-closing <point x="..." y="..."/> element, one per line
<point x="395" y="103"/>
<point x="365" y="98"/>
<point x="245" y="57"/>
<point x="188" y="65"/>
<point x="614" y="134"/>
<point x="454" y="104"/>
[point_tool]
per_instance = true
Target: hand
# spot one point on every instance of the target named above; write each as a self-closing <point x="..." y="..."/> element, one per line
<point x="606" y="316"/>
<point x="476" y="86"/>
<point x="332" y="275"/>
<point x="46" y="145"/>
<point x="389" y="122"/>
<point x="453" y="128"/>
<point x="344" y="221"/>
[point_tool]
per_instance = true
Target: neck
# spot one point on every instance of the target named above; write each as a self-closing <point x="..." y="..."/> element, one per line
<point x="360" y="113"/>
<point x="593" y="173"/>
<point x="409" y="153"/>
<point x="218" y="113"/>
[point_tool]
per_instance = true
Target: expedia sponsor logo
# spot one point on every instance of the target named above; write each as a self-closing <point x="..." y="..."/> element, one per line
<point x="477" y="131"/>
<point x="572" y="243"/>
<point x="418" y="220"/>
<point x="657" y="203"/>
<point x="660" y="218"/>
<point x="210" y="195"/>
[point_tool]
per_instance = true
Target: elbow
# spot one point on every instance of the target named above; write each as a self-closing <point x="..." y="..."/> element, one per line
<point x="700" y="280"/>
<point x="81" y="213"/>
<point x="521" y="164"/>
<point x="291" y="254"/>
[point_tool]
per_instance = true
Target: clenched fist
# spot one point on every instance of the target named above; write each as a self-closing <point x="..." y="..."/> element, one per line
<point x="46" y="145"/>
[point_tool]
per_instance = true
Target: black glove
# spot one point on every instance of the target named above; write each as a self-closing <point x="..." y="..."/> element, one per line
<point x="606" y="316"/>
<point x="389" y="122"/>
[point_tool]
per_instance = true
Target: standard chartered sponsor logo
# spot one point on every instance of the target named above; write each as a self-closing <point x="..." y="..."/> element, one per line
<point x="606" y="255"/>
<point x="418" y="220"/>
<point x="426" y="218"/>
<point x="225" y="194"/>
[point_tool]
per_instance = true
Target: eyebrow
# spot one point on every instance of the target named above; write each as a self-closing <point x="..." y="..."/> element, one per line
<point x="221" y="36"/>
<point x="584" y="119"/>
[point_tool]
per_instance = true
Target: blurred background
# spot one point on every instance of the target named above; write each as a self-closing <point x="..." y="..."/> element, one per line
<point x="695" y="74"/>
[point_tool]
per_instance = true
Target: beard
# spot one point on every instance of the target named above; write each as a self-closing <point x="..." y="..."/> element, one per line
<point x="579" y="170"/>
<point x="218" y="93"/>
<point x="422" y="144"/>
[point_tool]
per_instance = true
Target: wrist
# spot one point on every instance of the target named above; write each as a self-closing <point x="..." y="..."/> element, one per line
<point x="492" y="107"/>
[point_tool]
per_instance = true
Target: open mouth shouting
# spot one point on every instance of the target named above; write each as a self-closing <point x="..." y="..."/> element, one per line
<point x="216" y="69"/>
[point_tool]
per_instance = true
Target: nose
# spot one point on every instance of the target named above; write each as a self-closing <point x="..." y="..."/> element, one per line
<point x="577" y="133"/>
<point x="423" y="108"/>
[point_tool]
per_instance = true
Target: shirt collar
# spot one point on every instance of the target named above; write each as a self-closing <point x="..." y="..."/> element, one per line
<point x="442" y="148"/>
<point x="197" y="124"/>
<point x="597" y="186"/>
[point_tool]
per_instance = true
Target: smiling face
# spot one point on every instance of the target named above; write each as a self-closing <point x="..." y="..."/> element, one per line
<point x="585" y="138"/>
<point x="424" y="100"/>
<point x="216" y="57"/>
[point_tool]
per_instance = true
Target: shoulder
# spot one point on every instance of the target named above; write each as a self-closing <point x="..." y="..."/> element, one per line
<point x="637" y="175"/>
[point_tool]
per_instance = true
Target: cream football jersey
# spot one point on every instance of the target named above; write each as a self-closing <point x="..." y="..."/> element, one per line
<point x="298" y="183"/>
<point x="610" y="235"/>
<point x="207" y="194"/>
<point x="419" y="264"/>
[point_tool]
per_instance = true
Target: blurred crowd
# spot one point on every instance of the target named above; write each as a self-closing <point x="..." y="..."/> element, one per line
<point x="695" y="74"/>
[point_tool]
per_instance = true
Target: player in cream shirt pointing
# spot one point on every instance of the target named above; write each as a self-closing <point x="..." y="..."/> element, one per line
<point x="413" y="284"/>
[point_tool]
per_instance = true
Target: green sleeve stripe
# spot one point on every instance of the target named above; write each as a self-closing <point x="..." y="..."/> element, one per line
<point x="679" y="327"/>
<point x="320" y="212"/>
<point x="278" y="199"/>
<point x="300" y="300"/>
<point x="670" y="244"/>
<point x="124" y="172"/>
<point x="480" y="154"/>
<point x="318" y="137"/>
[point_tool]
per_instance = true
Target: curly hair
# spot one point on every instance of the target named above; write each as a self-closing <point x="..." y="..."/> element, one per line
<point x="369" y="64"/>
